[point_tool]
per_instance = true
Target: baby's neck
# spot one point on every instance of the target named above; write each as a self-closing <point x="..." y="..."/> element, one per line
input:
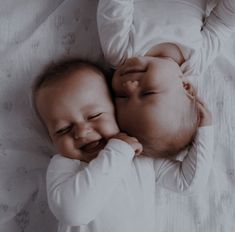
<point x="167" y="50"/>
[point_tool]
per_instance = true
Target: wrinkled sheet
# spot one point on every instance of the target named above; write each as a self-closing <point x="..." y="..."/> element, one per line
<point x="35" y="32"/>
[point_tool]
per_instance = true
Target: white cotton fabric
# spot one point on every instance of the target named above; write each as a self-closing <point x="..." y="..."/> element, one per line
<point x="32" y="34"/>
<point x="131" y="28"/>
<point x="115" y="192"/>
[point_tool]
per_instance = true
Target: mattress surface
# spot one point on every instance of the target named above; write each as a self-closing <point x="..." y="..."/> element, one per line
<point x="35" y="32"/>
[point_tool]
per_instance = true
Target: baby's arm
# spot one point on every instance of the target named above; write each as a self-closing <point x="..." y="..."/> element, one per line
<point x="219" y="26"/>
<point x="192" y="173"/>
<point x="77" y="193"/>
<point x="115" y="21"/>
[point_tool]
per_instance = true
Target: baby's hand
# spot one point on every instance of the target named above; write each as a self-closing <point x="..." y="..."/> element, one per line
<point x="132" y="141"/>
<point x="204" y="114"/>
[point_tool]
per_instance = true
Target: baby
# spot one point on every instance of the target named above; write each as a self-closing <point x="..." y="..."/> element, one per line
<point x="155" y="105"/>
<point x="97" y="181"/>
<point x="155" y="101"/>
<point x="129" y="28"/>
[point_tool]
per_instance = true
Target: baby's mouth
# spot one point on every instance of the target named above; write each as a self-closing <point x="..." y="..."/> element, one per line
<point x="93" y="146"/>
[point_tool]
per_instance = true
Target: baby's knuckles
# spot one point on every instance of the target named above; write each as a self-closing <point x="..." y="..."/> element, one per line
<point x="132" y="141"/>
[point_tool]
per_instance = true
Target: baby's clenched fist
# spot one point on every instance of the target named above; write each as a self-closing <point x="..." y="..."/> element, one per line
<point x="132" y="141"/>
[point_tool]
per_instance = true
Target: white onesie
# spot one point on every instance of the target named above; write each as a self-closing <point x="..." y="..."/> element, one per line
<point x="130" y="28"/>
<point x="116" y="192"/>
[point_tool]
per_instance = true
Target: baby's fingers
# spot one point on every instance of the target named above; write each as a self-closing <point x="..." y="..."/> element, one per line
<point x="138" y="148"/>
<point x="200" y="101"/>
<point x="203" y="108"/>
<point x="132" y="141"/>
<point x="204" y="114"/>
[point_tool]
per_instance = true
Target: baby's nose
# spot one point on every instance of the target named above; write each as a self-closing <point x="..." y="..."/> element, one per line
<point x="130" y="86"/>
<point x="81" y="131"/>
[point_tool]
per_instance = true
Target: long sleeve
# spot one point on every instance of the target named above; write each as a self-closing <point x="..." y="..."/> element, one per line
<point x="219" y="26"/>
<point x="77" y="193"/>
<point x="115" y="21"/>
<point x="190" y="174"/>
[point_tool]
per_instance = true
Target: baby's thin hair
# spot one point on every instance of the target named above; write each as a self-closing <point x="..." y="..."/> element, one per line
<point x="61" y="69"/>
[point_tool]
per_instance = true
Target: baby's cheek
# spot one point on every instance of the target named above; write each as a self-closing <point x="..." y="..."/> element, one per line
<point x="128" y="120"/>
<point x="66" y="148"/>
<point x="109" y="127"/>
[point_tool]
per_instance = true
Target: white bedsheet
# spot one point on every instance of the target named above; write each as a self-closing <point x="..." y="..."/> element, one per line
<point x="34" y="32"/>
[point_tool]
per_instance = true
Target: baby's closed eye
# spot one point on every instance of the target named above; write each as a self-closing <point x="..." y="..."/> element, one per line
<point x="64" y="130"/>
<point x="94" y="116"/>
<point x="148" y="93"/>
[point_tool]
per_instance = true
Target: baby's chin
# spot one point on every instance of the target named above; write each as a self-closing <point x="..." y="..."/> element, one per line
<point x="155" y="154"/>
<point x="149" y="152"/>
<point x="154" y="150"/>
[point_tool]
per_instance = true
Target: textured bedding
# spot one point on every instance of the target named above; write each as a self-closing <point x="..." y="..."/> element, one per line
<point x="35" y="32"/>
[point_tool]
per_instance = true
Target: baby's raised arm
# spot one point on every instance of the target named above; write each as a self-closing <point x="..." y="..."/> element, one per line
<point x="219" y="26"/>
<point x="77" y="192"/>
<point x="115" y="21"/>
<point x="191" y="174"/>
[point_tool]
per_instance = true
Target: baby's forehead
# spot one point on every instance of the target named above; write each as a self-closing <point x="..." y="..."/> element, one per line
<point x="59" y="73"/>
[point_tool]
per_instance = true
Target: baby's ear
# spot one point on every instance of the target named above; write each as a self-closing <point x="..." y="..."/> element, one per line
<point x="189" y="89"/>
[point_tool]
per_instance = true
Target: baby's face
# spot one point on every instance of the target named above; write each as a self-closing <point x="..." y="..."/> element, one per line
<point x="78" y="113"/>
<point x="149" y="97"/>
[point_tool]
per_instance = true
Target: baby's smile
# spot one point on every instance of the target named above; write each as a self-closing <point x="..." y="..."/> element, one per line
<point x="93" y="146"/>
<point x="92" y="149"/>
